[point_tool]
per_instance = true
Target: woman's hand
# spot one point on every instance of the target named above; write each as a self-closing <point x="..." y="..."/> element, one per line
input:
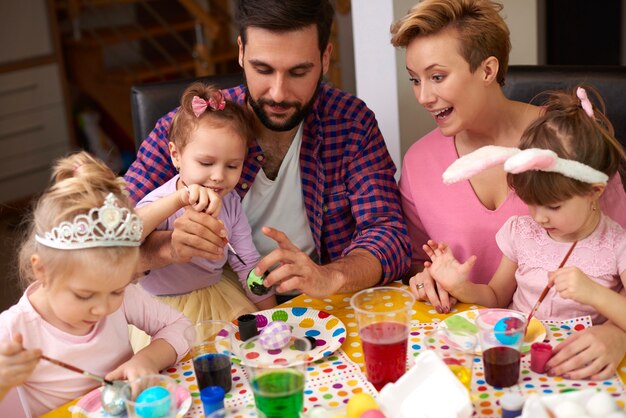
<point x="594" y="353"/>
<point x="16" y="364"/>
<point x="425" y="288"/>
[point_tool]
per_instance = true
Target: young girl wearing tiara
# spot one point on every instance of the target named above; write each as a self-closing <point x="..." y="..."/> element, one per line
<point x="560" y="171"/>
<point x="79" y="258"/>
<point x="208" y="145"/>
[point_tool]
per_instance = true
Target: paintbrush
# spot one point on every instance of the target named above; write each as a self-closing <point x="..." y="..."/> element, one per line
<point x="77" y="370"/>
<point x="230" y="247"/>
<point x="232" y="250"/>
<point x="549" y="285"/>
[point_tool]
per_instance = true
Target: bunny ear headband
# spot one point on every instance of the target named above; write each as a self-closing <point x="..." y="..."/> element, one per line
<point x="518" y="161"/>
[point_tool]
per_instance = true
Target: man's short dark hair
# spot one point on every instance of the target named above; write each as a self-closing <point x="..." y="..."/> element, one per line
<point x="285" y="16"/>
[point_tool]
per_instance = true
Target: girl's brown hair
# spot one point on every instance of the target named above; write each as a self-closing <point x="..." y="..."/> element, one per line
<point x="571" y="133"/>
<point x="80" y="182"/>
<point x="185" y="121"/>
<point x="480" y="29"/>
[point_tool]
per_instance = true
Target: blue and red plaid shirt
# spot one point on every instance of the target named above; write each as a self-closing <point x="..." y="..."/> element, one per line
<point x="350" y="194"/>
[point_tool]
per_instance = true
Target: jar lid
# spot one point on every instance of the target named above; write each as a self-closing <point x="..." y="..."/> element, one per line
<point x="212" y="394"/>
<point x="512" y="402"/>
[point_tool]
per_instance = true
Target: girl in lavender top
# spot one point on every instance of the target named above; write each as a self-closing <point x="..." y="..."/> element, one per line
<point x="208" y="146"/>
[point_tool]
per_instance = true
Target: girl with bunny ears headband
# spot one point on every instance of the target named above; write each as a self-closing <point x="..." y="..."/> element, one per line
<point x="560" y="171"/>
<point x="561" y="154"/>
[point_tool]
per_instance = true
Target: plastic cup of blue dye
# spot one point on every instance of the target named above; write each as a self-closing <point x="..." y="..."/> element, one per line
<point x="211" y="344"/>
<point x="152" y="396"/>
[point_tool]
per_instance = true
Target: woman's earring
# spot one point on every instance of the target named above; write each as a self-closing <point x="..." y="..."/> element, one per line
<point x="593" y="207"/>
<point x="178" y="169"/>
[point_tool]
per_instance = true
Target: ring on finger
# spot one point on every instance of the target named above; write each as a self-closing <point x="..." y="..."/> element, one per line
<point x="420" y="286"/>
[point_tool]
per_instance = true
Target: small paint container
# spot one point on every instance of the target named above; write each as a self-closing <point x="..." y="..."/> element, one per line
<point x="247" y="326"/>
<point x="540" y="353"/>
<point x="511" y="404"/>
<point x="212" y="398"/>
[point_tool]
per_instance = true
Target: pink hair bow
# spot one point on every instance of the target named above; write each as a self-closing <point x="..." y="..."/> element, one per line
<point x="584" y="101"/>
<point x="518" y="161"/>
<point x="199" y="105"/>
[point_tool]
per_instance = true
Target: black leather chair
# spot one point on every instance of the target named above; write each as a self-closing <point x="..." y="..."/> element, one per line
<point x="151" y="101"/>
<point x="524" y="82"/>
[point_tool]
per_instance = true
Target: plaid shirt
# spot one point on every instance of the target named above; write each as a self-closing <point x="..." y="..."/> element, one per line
<point x="350" y="194"/>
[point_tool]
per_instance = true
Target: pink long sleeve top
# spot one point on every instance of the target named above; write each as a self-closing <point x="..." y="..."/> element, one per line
<point x="101" y="351"/>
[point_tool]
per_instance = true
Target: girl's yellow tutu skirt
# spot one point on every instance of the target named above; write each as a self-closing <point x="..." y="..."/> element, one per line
<point x="224" y="300"/>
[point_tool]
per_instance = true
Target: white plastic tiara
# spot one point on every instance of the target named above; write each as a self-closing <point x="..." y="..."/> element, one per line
<point x="106" y="226"/>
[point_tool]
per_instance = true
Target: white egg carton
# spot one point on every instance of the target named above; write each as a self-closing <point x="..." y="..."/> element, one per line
<point x="589" y="403"/>
<point x="429" y="389"/>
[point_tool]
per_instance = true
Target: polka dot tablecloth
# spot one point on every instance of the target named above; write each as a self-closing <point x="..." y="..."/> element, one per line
<point x="331" y="381"/>
<point x="485" y="397"/>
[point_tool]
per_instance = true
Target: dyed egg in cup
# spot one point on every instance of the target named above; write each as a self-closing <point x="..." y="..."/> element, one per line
<point x="152" y="396"/>
<point x="501" y="332"/>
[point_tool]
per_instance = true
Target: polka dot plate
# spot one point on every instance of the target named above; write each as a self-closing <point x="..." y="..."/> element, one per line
<point x="536" y="331"/>
<point x="328" y="330"/>
<point x="90" y="405"/>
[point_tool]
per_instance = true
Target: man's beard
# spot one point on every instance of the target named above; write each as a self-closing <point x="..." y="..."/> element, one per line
<point x="293" y="121"/>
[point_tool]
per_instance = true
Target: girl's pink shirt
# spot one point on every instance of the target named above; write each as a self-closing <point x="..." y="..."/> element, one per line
<point x="601" y="256"/>
<point x="454" y="215"/>
<point x="101" y="351"/>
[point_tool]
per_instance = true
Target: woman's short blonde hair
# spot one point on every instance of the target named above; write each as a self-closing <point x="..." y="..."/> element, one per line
<point x="481" y="30"/>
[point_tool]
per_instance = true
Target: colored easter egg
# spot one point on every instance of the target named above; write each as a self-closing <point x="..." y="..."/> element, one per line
<point x="372" y="413"/>
<point x="506" y="330"/>
<point x="153" y="402"/>
<point x="275" y="335"/>
<point x="360" y="403"/>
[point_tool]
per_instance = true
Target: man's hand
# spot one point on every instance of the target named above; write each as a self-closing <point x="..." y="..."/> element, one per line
<point x="197" y="234"/>
<point x="296" y="270"/>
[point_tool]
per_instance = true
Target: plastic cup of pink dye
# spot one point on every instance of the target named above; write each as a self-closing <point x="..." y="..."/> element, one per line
<point x="540" y="353"/>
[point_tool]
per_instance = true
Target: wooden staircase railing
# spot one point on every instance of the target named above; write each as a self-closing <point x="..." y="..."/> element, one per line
<point x="109" y="45"/>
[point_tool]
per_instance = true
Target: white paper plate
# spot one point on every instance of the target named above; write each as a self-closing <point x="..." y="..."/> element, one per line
<point x="328" y="330"/>
<point x="90" y="405"/>
<point x="535" y="333"/>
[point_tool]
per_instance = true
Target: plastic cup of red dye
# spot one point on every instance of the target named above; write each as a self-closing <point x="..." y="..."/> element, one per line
<point x="540" y="353"/>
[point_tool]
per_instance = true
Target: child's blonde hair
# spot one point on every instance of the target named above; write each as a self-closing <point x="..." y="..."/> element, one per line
<point x="185" y="121"/>
<point x="571" y="133"/>
<point x="80" y="182"/>
<point x="481" y="30"/>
